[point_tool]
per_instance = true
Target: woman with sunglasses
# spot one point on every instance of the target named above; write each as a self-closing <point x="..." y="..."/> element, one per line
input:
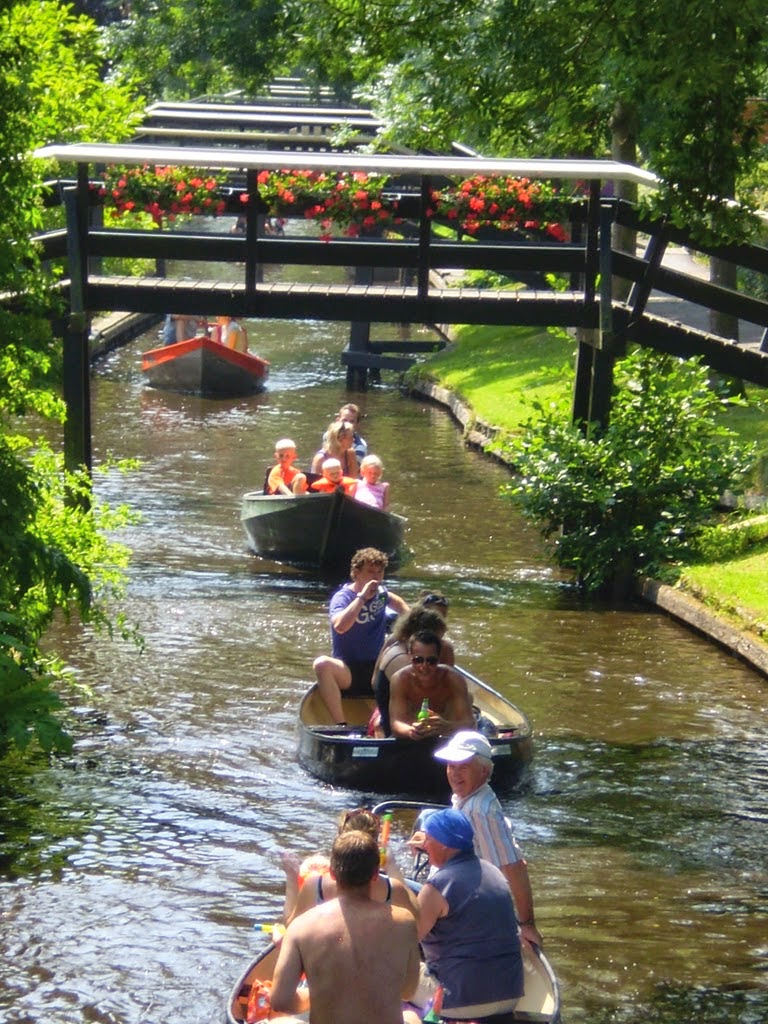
<point x="445" y="690"/>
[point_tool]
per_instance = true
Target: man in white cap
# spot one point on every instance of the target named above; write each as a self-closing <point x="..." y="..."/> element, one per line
<point x="469" y="763"/>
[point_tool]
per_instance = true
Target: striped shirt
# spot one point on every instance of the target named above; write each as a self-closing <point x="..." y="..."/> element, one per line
<point x="493" y="836"/>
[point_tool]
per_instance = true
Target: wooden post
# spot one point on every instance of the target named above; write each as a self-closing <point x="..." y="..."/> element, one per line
<point x="253" y="222"/>
<point x="604" y="356"/>
<point x="76" y="369"/>
<point x="359" y="338"/>
<point x="425" y="232"/>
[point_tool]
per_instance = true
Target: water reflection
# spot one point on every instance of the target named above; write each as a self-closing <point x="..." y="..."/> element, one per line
<point x="134" y="870"/>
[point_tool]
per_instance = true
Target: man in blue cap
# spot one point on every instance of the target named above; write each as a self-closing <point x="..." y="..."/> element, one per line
<point x="467" y="926"/>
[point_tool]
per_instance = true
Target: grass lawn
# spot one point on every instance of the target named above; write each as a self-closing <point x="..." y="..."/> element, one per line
<point x="737" y="588"/>
<point x="499" y="372"/>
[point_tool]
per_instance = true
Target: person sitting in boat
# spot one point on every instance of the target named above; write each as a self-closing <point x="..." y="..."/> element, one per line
<point x="448" y="704"/>
<point x="337" y="444"/>
<point x="230" y="333"/>
<point x="358" y="954"/>
<point x="358" y="618"/>
<point x="351" y="413"/>
<point x="467" y="925"/>
<point x="317" y="886"/>
<point x="395" y="655"/>
<point x="468" y="758"/>
<point x="371" y="489"/>
<point x="284" y="477"/>
<point x="178" y="327"/>
<point x="333" y="478"/>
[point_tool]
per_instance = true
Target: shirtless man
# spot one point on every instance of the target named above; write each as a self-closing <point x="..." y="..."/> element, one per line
<point x="450" y="707"/>
<point x="357" y="954"/>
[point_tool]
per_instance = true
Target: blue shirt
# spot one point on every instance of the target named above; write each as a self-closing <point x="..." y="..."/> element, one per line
<point x="365" y="637"/>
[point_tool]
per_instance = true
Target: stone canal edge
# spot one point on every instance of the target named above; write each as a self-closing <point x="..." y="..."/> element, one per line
<point x="675" y="602"/>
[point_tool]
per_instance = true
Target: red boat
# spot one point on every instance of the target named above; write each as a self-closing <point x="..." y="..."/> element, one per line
<point x="204" y="367"/>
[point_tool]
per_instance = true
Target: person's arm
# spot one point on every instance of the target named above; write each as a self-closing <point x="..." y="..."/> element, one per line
<point x="284" y="997"/>
<point x="396" y="602"/>
<point x="402" y="896"/>
<point x="275" y="482"/>
<point x="305" y="898"/>
<point x="385" y="496"/>
<point x="520" y="886"/>
<point x="400" y="715"/>
<point x="344" y="620"/>
<point x="432" y="906"/>
<point x="458" y="713"/>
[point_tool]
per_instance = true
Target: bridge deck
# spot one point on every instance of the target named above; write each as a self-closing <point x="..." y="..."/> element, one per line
<point x="371" y="303"/>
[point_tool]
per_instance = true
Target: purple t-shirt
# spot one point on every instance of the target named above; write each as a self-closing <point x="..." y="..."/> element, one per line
<point x="364" y="639"/>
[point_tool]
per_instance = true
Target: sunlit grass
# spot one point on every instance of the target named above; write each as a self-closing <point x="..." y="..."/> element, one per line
<point x="500" y="371"/>
<point x="738" y="587"/>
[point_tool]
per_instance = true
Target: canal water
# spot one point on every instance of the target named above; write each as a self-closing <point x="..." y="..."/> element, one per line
<point x="133" y="871"/>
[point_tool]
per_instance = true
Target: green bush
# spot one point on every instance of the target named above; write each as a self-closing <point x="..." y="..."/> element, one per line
<point x="629" y="498"/>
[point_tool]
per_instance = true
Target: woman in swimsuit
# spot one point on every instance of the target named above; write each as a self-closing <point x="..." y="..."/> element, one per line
<point x="319" y="887"/>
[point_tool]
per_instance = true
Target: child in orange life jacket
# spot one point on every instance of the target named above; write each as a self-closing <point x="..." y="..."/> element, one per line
<point x="332" y="478"/>
<point x="284" y="478"/>
<point x="371" y="490"/>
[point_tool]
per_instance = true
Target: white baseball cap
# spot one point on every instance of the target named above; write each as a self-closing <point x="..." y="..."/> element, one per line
<point x="464" y="745"/>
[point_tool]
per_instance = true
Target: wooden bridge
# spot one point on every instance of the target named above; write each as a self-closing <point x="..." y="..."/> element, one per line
<point x="418" y="259"/>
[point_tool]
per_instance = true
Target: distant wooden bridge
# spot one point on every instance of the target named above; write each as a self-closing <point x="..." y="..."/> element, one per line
<point x="588" y="262"/>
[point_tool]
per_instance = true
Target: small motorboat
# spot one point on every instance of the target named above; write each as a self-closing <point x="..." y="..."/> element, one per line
<point x="346" y="756"/>
<point x="203" y="366"/>
<point x="539" y="1005"/>
<point x="318" y="531"/>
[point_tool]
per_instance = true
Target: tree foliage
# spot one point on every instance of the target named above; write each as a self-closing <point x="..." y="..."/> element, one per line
<point x="54" y="555"/>
<point x="633" y="497"/>
<point x="184" y="48"/>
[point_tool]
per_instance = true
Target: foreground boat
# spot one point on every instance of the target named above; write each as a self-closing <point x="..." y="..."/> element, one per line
<point x="320" y="531"/>
<point x="205" y="367"/>
<point x="539" y="1005"/>
<point x="345" y="756"/>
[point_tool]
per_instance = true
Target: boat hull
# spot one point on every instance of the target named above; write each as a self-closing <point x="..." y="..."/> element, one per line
<point x="539" y="1005"/>
<point x="345" y="756"/>
<point x="319" y="531"/>
<point x="204" y="367"/>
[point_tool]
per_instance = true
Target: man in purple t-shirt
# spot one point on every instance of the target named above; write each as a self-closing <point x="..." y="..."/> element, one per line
<point x="358" y="614"/>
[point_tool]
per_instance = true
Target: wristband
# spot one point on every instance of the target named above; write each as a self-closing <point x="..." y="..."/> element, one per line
<point x="529" y="923"/>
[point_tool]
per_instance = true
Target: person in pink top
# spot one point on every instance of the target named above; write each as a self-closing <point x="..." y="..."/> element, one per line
<point x="371" y="489"/>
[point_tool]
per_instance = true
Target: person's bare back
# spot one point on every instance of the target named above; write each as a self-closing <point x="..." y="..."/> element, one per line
<point x="360" y="957"/>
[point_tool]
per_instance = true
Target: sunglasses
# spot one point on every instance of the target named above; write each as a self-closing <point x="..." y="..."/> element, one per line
<point x="419" y="659"/>
<point x="441" y="602"/>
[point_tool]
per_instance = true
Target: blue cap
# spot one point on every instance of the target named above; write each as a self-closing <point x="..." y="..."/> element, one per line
<point x="452" y="829"/>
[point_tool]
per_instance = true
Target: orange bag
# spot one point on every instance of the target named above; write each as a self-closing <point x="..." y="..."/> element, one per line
<point x="259" y="1006"/>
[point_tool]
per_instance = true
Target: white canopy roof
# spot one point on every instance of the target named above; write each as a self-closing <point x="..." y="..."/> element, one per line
<point x="234" y="158"/>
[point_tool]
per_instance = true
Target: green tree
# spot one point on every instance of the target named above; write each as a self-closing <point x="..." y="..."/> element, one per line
<point x="183" y="48"/>
<point x="633" y="497"/>
<point x="53" y="554"/>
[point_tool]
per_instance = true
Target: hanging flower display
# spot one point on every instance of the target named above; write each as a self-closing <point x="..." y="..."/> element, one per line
<point x="355" y="201"/>
<point x="506" y="203"/>
<point x="162" y="192"/>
